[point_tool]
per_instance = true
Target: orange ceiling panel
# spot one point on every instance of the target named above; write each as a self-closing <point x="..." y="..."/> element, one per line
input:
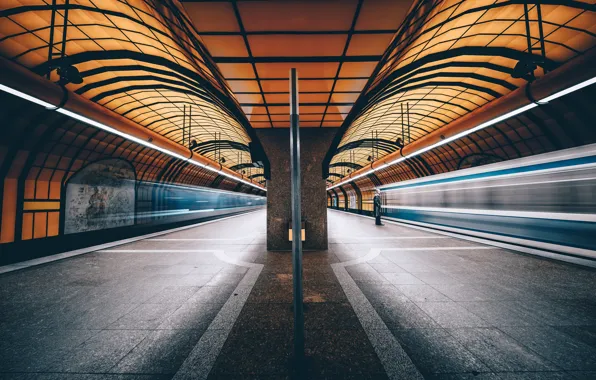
<point x="225" y="46"/>
<point x="236" y="70"/>
<point x="244" y="86"/>
<point x="212" y="16"/>
<point x="255" y="110"/>
<point x="261" y="124"/>
<point x="369" y="44"/>
<point x="297" y="15"/>
<point x="334" y="117"/>
<point x="282" y="110"/>
<point x="313" y="98"/>
<point x="280" y="118"/>
<point x="276" y="85"/>
<point x="344" y="98"/>
<point x="297" y="45"/>
<point x="277" y="98"/>
<point x="312" y="109"/>
<point x="259" y="118"/>
<point x="305" y="69"/>
<point x="310" y="117"/>
<point x="249" y="98"/>
<point x="303" y="85"/>
<point x="350" y="84"/>
<point x="357" y="69"/>
<point x="382" y="14"/>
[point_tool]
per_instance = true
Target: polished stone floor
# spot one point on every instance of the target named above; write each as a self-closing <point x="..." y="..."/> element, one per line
<point x="382" y="302"/>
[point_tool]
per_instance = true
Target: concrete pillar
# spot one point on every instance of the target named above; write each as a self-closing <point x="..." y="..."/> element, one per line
<point x="314" y="143"/>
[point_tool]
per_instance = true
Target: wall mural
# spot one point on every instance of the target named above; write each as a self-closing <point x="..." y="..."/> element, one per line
<point x="99" y="196"/>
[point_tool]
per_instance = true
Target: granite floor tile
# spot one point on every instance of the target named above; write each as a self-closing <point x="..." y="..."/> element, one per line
<point x="435" y="351"/>
<point x="174" y="295"/>
<point x="422" y="293"/>
<point x="100" y="353"/>
<point x="405" y="315"/>
<point x="402" y="279"/>
<point x="500" y="352"/>
<point x="191" y="316"/>
<point x="452" y="315"/>
<point x="161" y="352"/>
<point x="557" y="347"/>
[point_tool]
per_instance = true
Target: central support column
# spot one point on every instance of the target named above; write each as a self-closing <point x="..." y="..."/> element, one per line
<point x="314" y="143"/>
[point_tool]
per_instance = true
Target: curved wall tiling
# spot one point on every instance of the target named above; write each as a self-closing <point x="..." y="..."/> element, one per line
<point x="43" y="154"/>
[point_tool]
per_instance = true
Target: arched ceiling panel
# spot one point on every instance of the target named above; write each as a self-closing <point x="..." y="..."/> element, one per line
<point x="141" y="59"/>
<point x="451" y="57"/>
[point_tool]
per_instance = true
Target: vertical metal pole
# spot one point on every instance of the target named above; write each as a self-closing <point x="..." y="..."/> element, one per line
<point x="189" y="124"/>
<point x="408" y="111"/>
<point x="65" y="27"/>
<point x="51" y="43"/>
<point x="403" y="136"/>
<point x="528" y="31"/>
<point x="296" y="222"/>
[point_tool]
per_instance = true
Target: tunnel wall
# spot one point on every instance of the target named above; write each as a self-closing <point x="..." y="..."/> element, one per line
<point x="566" y="122"/>
<point x="41" y="151"/>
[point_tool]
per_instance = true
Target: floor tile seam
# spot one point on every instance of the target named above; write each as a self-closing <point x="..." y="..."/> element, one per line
<point x="214" y="338"/>
<point x="163" y="317"/>
<point x="448" y="331"/>
<point x="532" y="350"/>
<point x="362" y="308"/>
<point x="125" y="355"/>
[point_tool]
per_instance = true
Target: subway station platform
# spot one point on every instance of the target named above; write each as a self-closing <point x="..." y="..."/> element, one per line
<point x="210" y="302"/>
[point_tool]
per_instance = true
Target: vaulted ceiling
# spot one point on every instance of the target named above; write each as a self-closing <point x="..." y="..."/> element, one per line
<point x="334" y="44"/>
<point x="451" y="57"/>
<point x="379" y="70"/>
<point x="141" y="59"/>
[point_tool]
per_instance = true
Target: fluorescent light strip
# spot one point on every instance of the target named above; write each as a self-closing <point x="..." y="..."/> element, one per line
<point x="486" y="124"/>
<point x="25" y="96"/>
<point x="106" y="128"/>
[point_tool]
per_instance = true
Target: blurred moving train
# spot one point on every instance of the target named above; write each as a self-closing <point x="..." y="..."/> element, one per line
<point x="184" y="203"/>
<point x="545" y="202"/>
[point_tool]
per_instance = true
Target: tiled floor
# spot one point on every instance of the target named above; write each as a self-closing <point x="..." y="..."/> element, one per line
<point x="133" y="311"/>
<point x="453" y="308"/>
<point x="463" y="311"/>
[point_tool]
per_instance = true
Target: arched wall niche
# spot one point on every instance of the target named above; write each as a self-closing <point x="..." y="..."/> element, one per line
<point x="100" y="196"/>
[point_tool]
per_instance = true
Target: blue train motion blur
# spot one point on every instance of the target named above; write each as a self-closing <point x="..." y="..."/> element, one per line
<point x="188" y="203"/>
<point x="545" y="202"/>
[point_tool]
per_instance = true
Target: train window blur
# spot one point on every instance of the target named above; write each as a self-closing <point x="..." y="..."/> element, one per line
<point x="549" y="198"/>
<point x="183" y="203"/>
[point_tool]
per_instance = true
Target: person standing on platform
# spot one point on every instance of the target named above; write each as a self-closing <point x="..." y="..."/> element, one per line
<point x="377" y="209"/>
